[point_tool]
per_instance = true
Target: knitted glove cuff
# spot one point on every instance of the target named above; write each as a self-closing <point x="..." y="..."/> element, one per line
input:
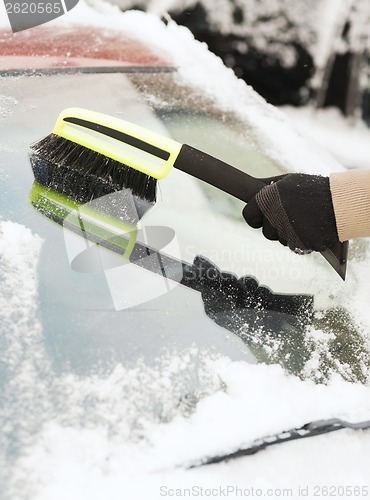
<point x="270" y="203"/>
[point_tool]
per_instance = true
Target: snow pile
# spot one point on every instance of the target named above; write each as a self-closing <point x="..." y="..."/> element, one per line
<point x="19" y="253"/>
<point x="68" y="424"/>
<point x="347" y="141"/>
<point x="22" y="387"/>
<point x="75" y="457"/>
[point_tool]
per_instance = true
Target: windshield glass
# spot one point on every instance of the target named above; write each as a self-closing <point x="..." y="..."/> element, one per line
<point x="303" y="313"/>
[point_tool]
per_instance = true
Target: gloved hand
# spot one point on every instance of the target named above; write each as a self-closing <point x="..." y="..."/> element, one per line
<point x="295" y="209"/>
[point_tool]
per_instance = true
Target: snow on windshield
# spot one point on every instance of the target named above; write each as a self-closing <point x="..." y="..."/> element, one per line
<point x="130" y="432"/>
<point x="99" y="435"/>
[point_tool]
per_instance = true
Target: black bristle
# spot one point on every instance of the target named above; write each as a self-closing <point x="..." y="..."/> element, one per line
<point x="84" y="174"/>
<point x="83" y="188"/>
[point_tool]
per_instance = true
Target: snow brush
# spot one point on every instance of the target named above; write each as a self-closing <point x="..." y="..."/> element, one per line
<point x="91" y="154"/>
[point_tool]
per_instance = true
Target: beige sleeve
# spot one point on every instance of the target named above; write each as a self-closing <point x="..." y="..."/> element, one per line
<point x="350" y="192"/>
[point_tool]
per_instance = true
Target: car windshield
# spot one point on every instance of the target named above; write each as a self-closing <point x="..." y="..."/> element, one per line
<point x="117" y="307"/>
<point x="301" y="296"/>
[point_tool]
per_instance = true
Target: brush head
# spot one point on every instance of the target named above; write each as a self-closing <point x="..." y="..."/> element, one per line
<point x="100" y="151"/>
<point x="84" y="174"/>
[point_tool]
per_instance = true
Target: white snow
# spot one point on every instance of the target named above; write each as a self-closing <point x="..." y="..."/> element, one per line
<point x="99" y="435"/>
<point x="347" y="139"/>
<point x="330" y="17"/>
<point x="88" y="451"/>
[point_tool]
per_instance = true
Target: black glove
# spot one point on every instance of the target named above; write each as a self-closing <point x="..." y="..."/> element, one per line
<point x="295" y="209"/>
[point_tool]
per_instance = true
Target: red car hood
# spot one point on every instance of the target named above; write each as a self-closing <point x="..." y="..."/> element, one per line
<point x="73" y="47"/>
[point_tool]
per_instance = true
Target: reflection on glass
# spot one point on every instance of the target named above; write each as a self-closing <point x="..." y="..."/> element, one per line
<point x="278" y="328"/>
<point x="282" y="328"/>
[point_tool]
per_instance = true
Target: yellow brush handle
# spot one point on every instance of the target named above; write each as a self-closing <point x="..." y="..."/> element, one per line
<point x="97" y="140"/>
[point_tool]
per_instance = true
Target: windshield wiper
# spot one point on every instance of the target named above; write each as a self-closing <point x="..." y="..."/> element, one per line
<point x="76" y="70"/>
<point x="308" y="430"/>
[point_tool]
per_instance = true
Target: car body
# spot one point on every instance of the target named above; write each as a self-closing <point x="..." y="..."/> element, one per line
<point x="103" y="345"/>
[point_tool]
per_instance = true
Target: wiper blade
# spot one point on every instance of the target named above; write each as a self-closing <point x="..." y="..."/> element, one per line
<point x="308" y="430"/>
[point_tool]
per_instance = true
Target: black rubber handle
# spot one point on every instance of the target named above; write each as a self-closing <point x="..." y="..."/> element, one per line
<point x="218" y="173"/>
<point x="337" y="257"/>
